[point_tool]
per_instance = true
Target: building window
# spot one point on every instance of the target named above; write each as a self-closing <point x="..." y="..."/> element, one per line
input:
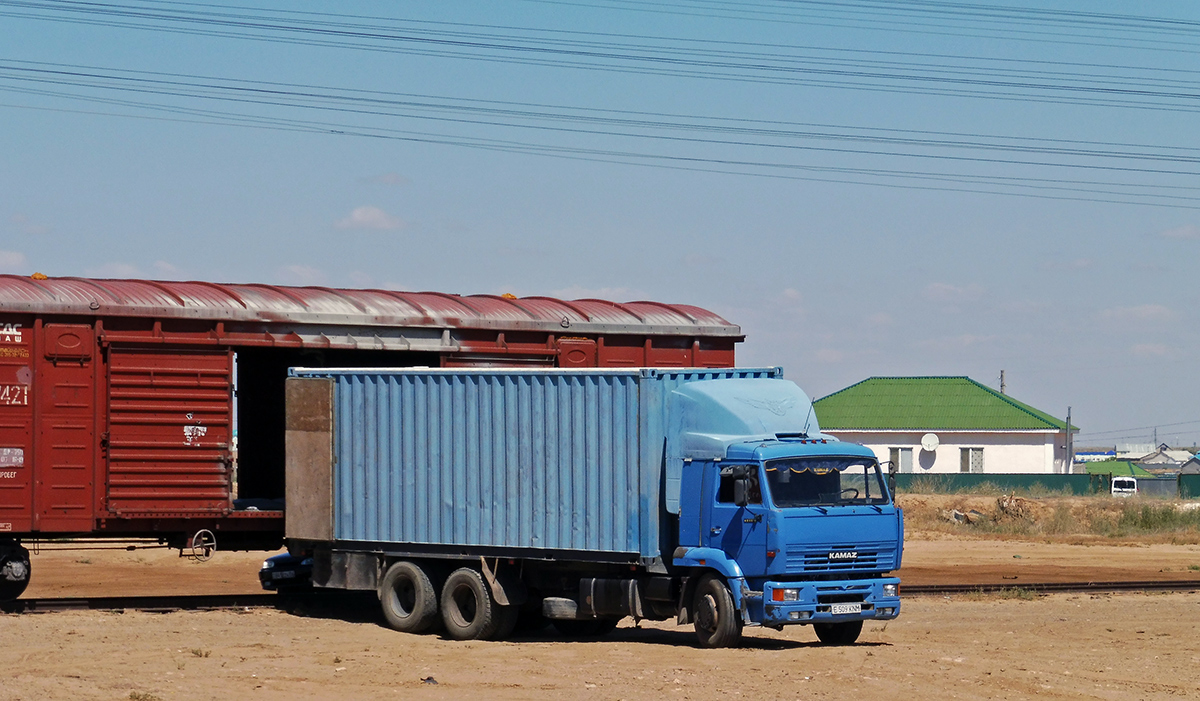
<point x="970" y="460"/>
<point x="901" y="459"/>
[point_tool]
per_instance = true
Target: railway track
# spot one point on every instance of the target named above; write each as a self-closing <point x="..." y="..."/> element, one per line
<point x="1050" y="587"/>
<point x="214" y="602"/>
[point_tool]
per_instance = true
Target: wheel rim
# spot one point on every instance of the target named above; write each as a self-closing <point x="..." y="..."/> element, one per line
<point x="404" y="597"/>
<point x="706" y="613"/>
<point x="465" y="605"/>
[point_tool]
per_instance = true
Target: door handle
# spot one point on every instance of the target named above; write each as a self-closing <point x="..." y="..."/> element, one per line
<point x="715" y="530"/>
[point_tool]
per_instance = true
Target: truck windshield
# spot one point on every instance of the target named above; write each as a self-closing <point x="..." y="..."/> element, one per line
<point x="825" y="482"/>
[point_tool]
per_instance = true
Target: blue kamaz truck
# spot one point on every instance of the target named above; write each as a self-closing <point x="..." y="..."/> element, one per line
<point x="477" y="501"/>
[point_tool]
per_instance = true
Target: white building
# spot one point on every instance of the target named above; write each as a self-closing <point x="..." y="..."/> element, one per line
<point x="945" y="424"/>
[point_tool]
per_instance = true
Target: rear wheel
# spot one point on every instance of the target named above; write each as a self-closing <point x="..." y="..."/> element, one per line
<point x="14" y="571"/>
<point x="717" y="621"/>
<point x="468" y="609"/>
<point x="408" y="598"/>
<point x="838" y="633"/>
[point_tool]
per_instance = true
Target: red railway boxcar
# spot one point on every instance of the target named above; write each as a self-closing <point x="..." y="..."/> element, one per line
<point x="120" y="400"/>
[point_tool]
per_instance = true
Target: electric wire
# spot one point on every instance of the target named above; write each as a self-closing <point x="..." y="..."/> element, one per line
<point x="934" y="74"/>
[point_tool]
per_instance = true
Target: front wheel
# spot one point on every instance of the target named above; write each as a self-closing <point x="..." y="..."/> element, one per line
<point x="14" y="572"/>
<point x="717" y="621"/>
<point x="838" y="633"/>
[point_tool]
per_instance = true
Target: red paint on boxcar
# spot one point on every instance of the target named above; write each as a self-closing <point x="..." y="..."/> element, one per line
<point x="117" y="396"/>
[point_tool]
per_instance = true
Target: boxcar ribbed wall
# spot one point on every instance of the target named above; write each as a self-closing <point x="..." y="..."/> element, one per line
<point x="537" y="460"/>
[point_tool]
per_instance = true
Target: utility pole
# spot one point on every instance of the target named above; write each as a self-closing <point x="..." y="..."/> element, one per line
<point x="1002" y="382"/>
<point x="1070" y="462"/>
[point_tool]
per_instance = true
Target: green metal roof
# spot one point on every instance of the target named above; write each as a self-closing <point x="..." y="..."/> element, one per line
<point x="928" y="404"/>
<point x="1119" y="468"/>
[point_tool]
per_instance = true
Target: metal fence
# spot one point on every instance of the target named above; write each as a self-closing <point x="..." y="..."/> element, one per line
<point x="1183" y="486"/>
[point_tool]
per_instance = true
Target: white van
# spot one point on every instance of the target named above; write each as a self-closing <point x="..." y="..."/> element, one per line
<point x="1124" y="486"/>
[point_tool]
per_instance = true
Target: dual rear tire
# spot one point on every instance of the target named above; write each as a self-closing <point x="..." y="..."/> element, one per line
<point x="413" y="602"/>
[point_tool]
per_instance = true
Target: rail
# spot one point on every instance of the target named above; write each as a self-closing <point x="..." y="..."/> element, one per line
<point x="213" y="602"/>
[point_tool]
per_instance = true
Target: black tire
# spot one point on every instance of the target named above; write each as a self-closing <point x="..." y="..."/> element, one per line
<point x="468" y="610"/>
<point x="408" y="598"/>
<point x="15" y="571"/>
<point x="717" y="622"/>
<point x="587" y="628"/>
<point x="838" y="633"/>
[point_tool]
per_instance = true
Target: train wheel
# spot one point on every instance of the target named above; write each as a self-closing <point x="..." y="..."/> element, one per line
<point x="409" y="601"/>
<point x="14" y="571"/>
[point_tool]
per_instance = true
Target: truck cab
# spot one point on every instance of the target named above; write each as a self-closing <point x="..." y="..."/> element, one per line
<point x="800" y="526"/>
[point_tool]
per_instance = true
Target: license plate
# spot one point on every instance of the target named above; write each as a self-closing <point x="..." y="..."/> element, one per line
<point x="286" y="574"/>
<point x="837" y="609"/>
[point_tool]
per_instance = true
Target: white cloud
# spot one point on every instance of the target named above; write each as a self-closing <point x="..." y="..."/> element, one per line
<point x="369" y="218"/>
<point x="612" y="294"/>
<point x="12" y="262"/>
<point x="1142" y="312"/>
<point x="303" y="275"/>
<point x="115" y="269"/>
<point x="792" y="294"/>
<point x="880" y="319"/>
<point x="945" y="292"/>
<point x="1188" y="231"/>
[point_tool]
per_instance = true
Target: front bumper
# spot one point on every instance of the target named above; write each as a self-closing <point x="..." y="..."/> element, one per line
<point x="816" y="602"/>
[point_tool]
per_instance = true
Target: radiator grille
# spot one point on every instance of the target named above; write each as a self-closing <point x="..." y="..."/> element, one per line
<point x="810" y="559"/>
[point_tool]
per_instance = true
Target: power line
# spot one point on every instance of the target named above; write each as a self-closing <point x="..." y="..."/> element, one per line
<point x="640" y="125"/>
<point x="948" y="75"/>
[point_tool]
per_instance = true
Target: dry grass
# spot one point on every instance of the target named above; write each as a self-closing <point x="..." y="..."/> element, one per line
<point x="1055" y="518"/>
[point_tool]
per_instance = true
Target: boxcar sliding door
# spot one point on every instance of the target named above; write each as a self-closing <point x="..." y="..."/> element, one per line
<point x="65" y="429"/>
<point x="169" y="425"/>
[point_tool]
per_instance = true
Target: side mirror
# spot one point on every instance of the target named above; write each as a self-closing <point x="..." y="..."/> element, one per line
<point x="740" y="497"/>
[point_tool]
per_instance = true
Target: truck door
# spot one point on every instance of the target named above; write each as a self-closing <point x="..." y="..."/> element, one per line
<point x="741" y="531"/>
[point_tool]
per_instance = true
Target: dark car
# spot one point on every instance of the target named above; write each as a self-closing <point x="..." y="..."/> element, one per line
<point x="286" y="572"/>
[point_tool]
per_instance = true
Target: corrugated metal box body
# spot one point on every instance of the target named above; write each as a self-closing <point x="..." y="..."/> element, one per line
<point x="559" y="460"/>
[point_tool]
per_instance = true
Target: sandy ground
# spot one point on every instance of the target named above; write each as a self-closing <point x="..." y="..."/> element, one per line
<point x="1130" y="646"/>
<point x="936" y="561"/>
<point x="1056" y="647"/>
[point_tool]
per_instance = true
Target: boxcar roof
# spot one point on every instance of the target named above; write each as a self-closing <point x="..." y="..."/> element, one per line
<point x="258" y="303"/>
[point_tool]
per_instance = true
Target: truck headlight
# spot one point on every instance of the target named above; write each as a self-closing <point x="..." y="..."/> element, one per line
<point x="785" y="594"/>
<point x="267" y="564"/>
<point x="891" y="589"/>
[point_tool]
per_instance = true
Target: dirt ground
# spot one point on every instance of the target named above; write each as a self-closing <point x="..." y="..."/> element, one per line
<point x="1128" y="646"/>
<point x="937" y="560"/>
<point x="1058" y="647"/>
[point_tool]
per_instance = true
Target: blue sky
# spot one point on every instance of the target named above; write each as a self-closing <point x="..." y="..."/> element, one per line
<point x="1087" y="302"/>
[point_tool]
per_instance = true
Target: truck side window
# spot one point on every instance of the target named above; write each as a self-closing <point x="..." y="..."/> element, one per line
<point x="725" y="490"/>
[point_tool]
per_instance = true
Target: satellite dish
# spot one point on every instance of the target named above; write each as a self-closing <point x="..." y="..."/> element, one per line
<point x="929" y="442"/>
